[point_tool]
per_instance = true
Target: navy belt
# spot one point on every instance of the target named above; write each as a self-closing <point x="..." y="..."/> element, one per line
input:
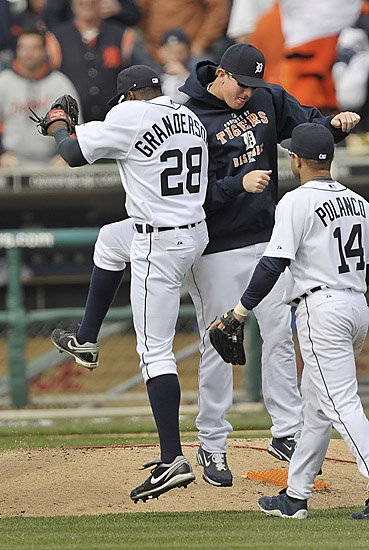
<point x="147" y="228"/>
<point x="296" y="301"/>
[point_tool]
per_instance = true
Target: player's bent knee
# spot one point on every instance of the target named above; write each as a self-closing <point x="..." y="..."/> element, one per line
<point x="152" y="370"/>
<point x="105" y="236"/>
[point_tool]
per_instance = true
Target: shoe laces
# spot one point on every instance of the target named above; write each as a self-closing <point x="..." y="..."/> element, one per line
<point x="218" y="459"/>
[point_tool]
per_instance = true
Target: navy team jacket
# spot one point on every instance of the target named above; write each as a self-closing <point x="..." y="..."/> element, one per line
<point x="239" y="142"/>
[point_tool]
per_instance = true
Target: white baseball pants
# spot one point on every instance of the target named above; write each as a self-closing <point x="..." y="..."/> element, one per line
<point x="159" y="261"/>
<point x="332" y="326"/>
<point x="216" y="283"/>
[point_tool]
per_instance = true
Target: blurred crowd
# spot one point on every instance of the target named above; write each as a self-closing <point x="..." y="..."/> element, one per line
<point x="318" y="51"/>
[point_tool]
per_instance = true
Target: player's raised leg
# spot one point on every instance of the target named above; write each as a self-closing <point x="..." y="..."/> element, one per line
<point x="110" y="257"/>
<point x="159" y="263"/>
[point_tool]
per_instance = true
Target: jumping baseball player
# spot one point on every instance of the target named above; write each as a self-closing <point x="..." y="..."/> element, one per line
<point x="161" y="151"/>
<point x="321" y="239"/>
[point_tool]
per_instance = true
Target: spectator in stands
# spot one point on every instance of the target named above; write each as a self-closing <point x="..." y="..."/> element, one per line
<point x="16" y="16"/>
<point x="122" y="11"/>
<point x="31" y="17"/>
<point x="7" y="38"/>
<point x="203" y="21"/>
<point x="30" y="83"/>
<point x="311" y="31"/>
<point x="175" y="63"/>
<point x="4" y="24"/>
<point x="91" y="51"/>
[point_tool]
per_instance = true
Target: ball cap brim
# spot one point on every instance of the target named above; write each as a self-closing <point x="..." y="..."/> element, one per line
<point x="134" y="78"/>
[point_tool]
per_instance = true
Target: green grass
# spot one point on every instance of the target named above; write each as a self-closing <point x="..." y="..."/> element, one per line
<point x="330" y="530"/>
<point x="114" y="431"/>
<point x="110" y="431"/>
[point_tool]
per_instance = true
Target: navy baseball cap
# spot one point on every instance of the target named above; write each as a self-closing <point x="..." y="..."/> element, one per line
<point x="246" y="64"/>
<point x="134" y="78"/>
<point x="310" y="141"/>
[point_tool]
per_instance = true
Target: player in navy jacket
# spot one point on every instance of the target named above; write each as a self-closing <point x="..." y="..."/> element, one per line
<point x="245" y="118"/>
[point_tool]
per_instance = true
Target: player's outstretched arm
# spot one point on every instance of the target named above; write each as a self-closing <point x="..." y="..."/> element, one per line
<point x="68" y="147"/>
<point x="60" y="122"/>
<point x="346" y="121"/>
<point x="65" y="109"/>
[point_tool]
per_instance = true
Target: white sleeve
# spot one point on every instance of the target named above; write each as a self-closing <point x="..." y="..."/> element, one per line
<point x="289" y="228"/>
<point x="113" y="137"/>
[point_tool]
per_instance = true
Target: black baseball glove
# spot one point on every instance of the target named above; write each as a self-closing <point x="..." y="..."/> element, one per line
<point x="64" y="108"/>
<point x="229" y="341"/>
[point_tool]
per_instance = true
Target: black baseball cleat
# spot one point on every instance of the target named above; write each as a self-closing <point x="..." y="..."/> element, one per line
<point x="163" y="478"/>
<point x="364" y="514"/>
<point x="283" y="448"/>
<point x="216" y="471"/>
<point x="86" y="354"/>
<point x="284" y="506"/>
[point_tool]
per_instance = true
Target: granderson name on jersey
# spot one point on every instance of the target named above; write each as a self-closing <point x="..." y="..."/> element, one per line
<point x="176" y="123"/>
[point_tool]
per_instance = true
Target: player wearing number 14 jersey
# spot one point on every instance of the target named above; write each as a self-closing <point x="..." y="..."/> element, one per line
<point x="161" y="151"/>
<point x="321" y="240"/>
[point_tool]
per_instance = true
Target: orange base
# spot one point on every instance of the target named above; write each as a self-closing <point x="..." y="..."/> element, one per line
<point x="279" y="477"/>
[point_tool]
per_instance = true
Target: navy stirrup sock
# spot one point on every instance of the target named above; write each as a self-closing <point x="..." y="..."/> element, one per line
<point x="165" y="395"/>
<point x="103" y="287"/>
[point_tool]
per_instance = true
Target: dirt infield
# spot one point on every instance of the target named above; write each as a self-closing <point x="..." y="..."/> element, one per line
<point x="67" y="481"/>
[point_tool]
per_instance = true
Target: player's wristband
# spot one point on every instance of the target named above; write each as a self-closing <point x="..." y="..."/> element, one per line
<point x="241" y="310"/>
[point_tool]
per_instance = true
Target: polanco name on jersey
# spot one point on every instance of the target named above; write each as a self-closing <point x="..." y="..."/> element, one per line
<point x="176" y="123"/>
<point x="341" y="206"/>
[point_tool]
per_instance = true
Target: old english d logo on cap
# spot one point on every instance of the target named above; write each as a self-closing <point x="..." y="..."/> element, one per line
<point x="259" y="67"/>
<point x="246" y="64"/>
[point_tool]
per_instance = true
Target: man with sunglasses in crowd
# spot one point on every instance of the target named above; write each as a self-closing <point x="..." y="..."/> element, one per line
<point x="245" y="118"/>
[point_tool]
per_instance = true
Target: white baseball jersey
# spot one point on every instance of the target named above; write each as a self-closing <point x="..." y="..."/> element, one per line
<point x="161" y="151"/>
<point x="323" y="228"/>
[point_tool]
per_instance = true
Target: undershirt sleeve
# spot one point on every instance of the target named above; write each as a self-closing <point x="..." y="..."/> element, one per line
<point x="69" y="148"/>
<point x="265" y="276"/>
